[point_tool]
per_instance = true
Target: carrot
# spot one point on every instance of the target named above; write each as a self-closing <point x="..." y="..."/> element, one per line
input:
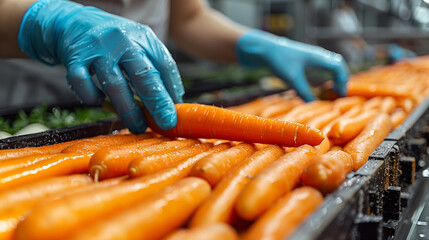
<point x="324" y="146"/>
<point x="256" y="106"/>
<point x="373" y="89"/>
<point x="154" y="217"/>
<point x="146" y="165"/>
<point x="209" y="232"/>
<point x="373" y="103"/>
<point x="202" y="121"/>
<point x="350" y="113"/>
<point x="273" y="182"/>
<point x="280" y="108"/>
<point x="327" y="171"/>
<point x="323" y="119"/>
<point x="406" y="104"/>
<point x="55" y="166"/>
<point x="368" y="139"/>
<point x="388" y="104"/>
<point x="21" y="152"/>
<point x="114" y="162"/>
<point x="21" y="162"/>
<point x="220" y="204"/>
<point x="102" y="141"/>
<point x="64" y="216"/>
<point x="398" y="116"/>
<point x="9" y="218"/>
<point x="346" y="103"/>
<point x="304" y="113"/>
<point x="346" y="129"/>
<point x="281" y="220"/>
<point x="215" y="166"/>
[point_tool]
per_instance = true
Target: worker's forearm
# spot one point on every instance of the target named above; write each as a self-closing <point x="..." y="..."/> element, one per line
<point x="206" y="34"/>
<point x="11" y="14"/>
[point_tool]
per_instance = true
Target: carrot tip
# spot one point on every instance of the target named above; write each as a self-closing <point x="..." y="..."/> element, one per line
<point x="96" y="174"/>
<point x="133" y="171"/>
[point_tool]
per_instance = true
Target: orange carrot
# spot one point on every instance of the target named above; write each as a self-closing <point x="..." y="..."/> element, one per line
<point x="373" y="103"/>
<point x="323" y="119"/>
<point x="220" y="204"/>
<point x="350" y="113"/>
<point x="146" y="165"/>
<point x="388" y="104"/>
<point x="406" y="104"/>
<point x="64" y="216"/>
<point x="215" y="166"/>
<point x="21" y="162"/>
<point x="114" y="162"/>
<point x="55" y="166"/>
<point x="202" y="121"/>
<point x="368" y="140"/>
<point x="209" y="232"/>
<point x="398" y="116"/>
<point x="102" y="141"/>
<point x="10" y="217"/>
<point x="370" y="89"/>
<point x="273" y="182"/>
<point x="281" y="220"/>
<point x="346" y="103"/>
<point x="304" y="113"/>
<point x="324" y="146"/>
<point x="21" y="152"/>
<point x="154" y="217"/>
<point x="327" y="171"/>
<point x="280" y="108"/>
<point x="346" y="129"/>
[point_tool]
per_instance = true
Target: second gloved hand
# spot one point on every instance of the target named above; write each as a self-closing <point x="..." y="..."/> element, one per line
<point x="288" y="59"/>
<point x="86" y="40"/>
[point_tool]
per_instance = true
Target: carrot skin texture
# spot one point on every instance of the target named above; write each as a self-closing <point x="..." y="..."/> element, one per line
<point x="219" y="206"/>
<point x="326" y="172"/>
<point x="368" y="140"/>
<point x="22" y="152"/>
<point x="208" y="232"/>
<point x="281" y="220"/>
<point x="154" y="217"/>
<point x="215" y="166"/>
<point x="146" y="165"/>
<point x="274" y="181"/>
<point x="203" y="121"/>
<point x="56" y="166"/>
<point x="64" y="216"/>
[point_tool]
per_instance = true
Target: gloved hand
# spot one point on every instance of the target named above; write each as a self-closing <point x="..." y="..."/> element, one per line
<point x="396" y="53"/>
<point x="124" y="55"/>
<point x="288" y="59"/>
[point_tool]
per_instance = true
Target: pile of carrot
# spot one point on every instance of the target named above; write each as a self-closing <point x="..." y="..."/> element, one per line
<point x="254" y="171"/>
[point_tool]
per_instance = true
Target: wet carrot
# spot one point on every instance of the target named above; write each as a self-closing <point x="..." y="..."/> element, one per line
<point x="56" y="166"/>
<point x="21" y="152"/>
<point x="208" y="232"/>
<point x="142" y="166"/>
<point x="102" y="141"/>
<point x="346" y="103"/>
<point x="388" y="104"/>
<point x="64" y="216"/>
<point x="114" y="162"/>
<point x="323" y="119"/>
<point x="21" y="162"/>
<point x="281" y="220"/>
<point x="304" y="113"/>
<point x="203" y="121"/>
<point x="154" y="217"/>
<point x="274" y="181"/>
<point x="214" y="167"/>
<point x="327" y="171"/>
<point x="406" y="104"/>
<point x="219" y="207"/>
<point x="346" y="129"/>
<point x="368" y="140"/>
<point x="280" y="108"/>
<point x="398" y="116"/>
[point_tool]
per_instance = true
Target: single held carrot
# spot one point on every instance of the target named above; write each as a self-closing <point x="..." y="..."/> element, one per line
<point x="154" y="217"/>
<point x="398" y="116"/>
<point x="281" y="220"/>
<point x="142" y="166"/>
<point x="64" y="216"/>
<point x="281" y="108"/>
<point x="203" y="121"/>
<point x="346" y="103"/>
<point x="114" y="162"/>
<point x="62" y="164"/>
<point x="21" y="162"/>
<point x="21" y="152"/>
<point x="212" y="168"/>
<point x="102" y="141"/>
<point x="388" y="104"/>
<point x="327" y="171"/>
<point x="346" y="129"/>
<point x="274" y="181"/>
<point x="219" y="207"/>
<point x="208" y="232"/>
<point x="368" y="140"/>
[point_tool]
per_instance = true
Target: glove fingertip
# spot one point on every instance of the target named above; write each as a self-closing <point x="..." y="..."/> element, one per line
<point x="134" y="122"/>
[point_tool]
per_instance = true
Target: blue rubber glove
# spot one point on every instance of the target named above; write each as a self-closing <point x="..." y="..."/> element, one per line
<point x="396" y="53"/>
<point x="125" y="56"/>
<point x="288" y="60"/>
